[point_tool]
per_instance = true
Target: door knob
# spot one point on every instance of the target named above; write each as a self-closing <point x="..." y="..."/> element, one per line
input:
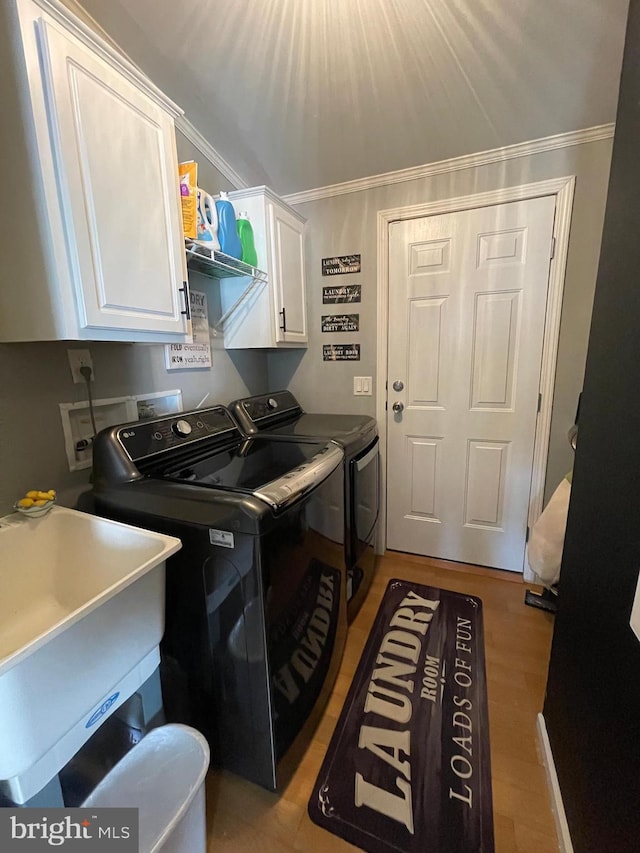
<point x="398" y="407"/>
<point x="398" y="385"/>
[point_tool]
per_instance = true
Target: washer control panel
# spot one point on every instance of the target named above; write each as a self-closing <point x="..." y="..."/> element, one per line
<point x="277" y="404"/>
<point x="148" y="438"/>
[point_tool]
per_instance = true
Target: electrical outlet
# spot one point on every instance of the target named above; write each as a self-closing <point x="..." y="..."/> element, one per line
<point x="79" y="358"/>
<point x="362" y="386"/>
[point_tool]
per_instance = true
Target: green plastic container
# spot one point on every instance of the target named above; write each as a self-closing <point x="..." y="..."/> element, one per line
<point x="245" y="233"/>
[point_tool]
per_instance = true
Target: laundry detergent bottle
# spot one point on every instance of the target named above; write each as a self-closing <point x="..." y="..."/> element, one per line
<point x="245" y="233"/>
<point x="207" y="221"/>
<point x="227" y="230"/>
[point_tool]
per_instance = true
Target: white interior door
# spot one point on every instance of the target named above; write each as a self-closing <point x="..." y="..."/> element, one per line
<point x="467" y="298"/>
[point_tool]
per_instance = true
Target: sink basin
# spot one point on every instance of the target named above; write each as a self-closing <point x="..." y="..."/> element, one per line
<point x="81" y="617"/>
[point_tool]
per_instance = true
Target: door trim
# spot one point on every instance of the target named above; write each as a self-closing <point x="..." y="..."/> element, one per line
<point x="563" y="189"/>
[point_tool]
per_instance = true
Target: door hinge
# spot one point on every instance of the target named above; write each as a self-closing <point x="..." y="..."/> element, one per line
<point x="526" y="538"/>
<point x="553" y="247"/>
<point x="539" y="401"/>
<point x="386" y="405"/>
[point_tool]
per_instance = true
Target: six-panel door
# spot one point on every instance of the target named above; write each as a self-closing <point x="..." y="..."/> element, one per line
<point x="467" y="302"/>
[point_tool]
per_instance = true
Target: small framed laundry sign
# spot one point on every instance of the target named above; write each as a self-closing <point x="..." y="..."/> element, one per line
<point x="198" y="353"/>
<point x="341" y="352"/>
<point x="341" y="265"/>
<point x="340" y="322"/>
<point x="341" y="293"/>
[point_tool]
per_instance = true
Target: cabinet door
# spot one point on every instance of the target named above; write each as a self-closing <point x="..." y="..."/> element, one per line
<point x="287" y="270"/>
<point x="114" y="152"/>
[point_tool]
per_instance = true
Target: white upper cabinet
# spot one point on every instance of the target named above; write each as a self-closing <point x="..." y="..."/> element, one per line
<point x="98" y="173"/>
<point x="273" y="314"/>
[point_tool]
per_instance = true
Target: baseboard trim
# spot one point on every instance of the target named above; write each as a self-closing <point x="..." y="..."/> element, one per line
<point x="557" y="806"/>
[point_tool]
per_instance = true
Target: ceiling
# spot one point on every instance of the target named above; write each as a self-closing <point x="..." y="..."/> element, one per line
<point x="299" y="94"/>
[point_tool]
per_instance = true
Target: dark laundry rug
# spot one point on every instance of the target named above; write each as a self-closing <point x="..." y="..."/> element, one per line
<point x="408" y="767"/>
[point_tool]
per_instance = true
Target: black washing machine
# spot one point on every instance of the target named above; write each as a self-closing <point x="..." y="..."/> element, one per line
<point x="281" y="416"/>
<point x="256" y="598"/>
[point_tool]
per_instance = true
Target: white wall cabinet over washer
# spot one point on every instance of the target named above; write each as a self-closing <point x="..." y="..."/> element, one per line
<point x="90" y="221"/>
<point x="274" y="315"/>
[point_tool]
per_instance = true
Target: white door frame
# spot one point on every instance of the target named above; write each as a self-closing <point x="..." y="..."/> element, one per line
<point x="563" y="189"/>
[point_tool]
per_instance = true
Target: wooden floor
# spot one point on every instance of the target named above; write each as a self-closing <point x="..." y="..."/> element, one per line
<point x="244" y="817"/>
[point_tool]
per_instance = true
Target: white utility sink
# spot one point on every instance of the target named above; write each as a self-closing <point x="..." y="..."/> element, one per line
<point x="81" y="617"/>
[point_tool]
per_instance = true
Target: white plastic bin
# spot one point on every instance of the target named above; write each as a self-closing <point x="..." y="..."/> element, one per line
<point x="163" y="777"/>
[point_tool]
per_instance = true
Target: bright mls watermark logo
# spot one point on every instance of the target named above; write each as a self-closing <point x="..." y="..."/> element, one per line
<point x="34" y="830"/>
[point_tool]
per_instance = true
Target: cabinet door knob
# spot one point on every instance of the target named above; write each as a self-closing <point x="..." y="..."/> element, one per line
<point x="283" y="327"/>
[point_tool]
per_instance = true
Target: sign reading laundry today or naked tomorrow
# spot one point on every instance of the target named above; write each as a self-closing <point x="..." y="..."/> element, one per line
<point x="341" y="352"/>
<point x="341" y="265"/>
<point x="341" y="293"/>
<point x="340" y="322"/>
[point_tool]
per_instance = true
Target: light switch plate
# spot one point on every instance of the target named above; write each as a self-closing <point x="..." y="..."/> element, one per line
<point x="362" y="386"/>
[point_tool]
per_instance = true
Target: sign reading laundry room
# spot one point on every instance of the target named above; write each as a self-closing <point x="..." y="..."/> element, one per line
<point x="198" y="353"/>
<point x="341" y="352"/>
<point x="341" y="293"/>
<point x="340" y="322"/>
<point x="341" y="265"/>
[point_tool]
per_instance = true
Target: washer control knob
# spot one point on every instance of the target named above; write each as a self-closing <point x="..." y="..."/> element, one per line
<point x="272" y="403"/>
<point x="182" y="428"/>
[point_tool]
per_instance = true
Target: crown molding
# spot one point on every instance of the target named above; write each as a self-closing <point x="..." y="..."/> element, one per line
<point x="204" y="147"/>
<point x="84" y="26"/>
<point x="456" y="164"/>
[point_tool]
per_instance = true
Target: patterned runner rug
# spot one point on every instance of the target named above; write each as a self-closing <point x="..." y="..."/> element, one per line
<point x="408" y="767"/>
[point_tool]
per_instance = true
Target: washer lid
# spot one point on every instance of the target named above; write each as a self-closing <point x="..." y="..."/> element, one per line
<point x="278" y="472"/>
<point x="341" y="428"/>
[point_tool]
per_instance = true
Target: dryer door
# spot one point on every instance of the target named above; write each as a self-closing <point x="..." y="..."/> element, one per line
<point x="364" y="475"/>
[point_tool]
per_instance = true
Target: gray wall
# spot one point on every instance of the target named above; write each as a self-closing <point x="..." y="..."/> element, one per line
<point x="35" y="377"/>
<point x="346" y="224"/>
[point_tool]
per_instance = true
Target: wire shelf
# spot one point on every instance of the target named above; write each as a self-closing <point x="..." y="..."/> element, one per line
<point x="217" y="265"/>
